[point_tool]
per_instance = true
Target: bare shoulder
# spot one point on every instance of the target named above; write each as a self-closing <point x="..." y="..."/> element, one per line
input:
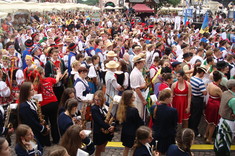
<point x="173" y="85"/>
<point x="189" y="85"/>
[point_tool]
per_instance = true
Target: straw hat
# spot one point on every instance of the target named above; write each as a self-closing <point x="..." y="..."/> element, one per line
<point x="102" y="33"/>
<point x="203" y="68"/>
<point x="158" y="44"/>
<point x="142" y="55"/>
<point x="112" y="64"/>
<point x="68" y="39"/>
<point x="111" y="54"/>
<point x="149" y="45"/>
<point x="5" y="58"/>
<point x="137" y="47"/>
<point x="137" y="58"/>
<point x="108" y="44"/>
<point x="28" y="57"/>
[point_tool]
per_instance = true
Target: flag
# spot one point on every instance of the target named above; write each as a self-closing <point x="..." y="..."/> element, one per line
<point x="185" y="17"/>
<point x="149" y="102"/>
<point x="205" y="24"/>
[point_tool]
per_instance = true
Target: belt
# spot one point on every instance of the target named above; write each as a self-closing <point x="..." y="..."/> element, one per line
<point x="214" y="97"/>
<point x="181" y="94"/>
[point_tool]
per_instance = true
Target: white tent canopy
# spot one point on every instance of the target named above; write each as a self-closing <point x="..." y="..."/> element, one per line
<point x="3" y="15"/>
<point x="171" y="8"/>
<point x="109" y="8"/>
<point x="11" y="7"/>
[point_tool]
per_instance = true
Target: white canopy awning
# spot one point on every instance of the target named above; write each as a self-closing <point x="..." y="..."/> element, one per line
<point x="109" y="8"/>
<point x="11" y="7"/>
<point x="3" y="15"/>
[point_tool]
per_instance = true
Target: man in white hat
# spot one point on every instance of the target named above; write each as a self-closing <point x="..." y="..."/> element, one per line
<point x="111" y="55"/>
<point x="112" y="87"/>
<point x="136" y="51"/>
<point x="109" y="47"/>
<point x="138" y="84"/>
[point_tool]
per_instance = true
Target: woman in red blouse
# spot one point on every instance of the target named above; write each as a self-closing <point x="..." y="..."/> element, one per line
<point x="49" y="105"/>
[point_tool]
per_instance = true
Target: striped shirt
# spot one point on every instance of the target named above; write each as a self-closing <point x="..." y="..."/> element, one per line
<point x="198" y="86"/>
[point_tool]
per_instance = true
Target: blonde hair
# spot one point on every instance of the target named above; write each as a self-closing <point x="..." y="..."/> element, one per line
<point x="100" y="95"/>
<point x="164" y="94"/>
<point x="76" y="62"/>
<point x="126" y="101"/>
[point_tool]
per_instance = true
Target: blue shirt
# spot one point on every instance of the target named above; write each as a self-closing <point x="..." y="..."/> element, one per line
<point x="24" y="53"/>
<point x="97" y="50"/>
<point x="173" y="150"/>
<point x="64" y="122"/>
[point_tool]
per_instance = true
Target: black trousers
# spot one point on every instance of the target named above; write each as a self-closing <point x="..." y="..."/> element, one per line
<point x="58" y="92"/>
<point x="50" y="113"/>
<point x="196" y="111"/>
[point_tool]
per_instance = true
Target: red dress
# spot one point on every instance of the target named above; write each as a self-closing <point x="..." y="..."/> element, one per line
<point x="212" y="109"/>
<point x="180" y="102"/>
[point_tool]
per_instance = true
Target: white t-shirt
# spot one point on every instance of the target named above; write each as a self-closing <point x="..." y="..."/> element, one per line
<point x="92" y="72"/>
<point x="19" y="76"/>
<point x="136" y="78"/>
<point x="195" y="58"/>
<point x="179" y="51"/>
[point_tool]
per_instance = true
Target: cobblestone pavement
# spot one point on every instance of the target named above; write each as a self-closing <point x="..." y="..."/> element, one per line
<point x="117" y="151"/>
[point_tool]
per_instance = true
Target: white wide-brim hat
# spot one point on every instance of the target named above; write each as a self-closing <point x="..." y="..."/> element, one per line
<point x="112" y="64"/>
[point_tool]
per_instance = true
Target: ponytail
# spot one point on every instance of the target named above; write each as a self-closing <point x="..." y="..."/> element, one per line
<point x="184" y="139"/>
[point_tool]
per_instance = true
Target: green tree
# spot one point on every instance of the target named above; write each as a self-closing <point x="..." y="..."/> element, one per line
<point x="162" y="3"/>
<point x="88" y="2"/>
<point x="174" y="2"/>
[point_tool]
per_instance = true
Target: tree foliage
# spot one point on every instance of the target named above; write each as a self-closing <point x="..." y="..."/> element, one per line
<point x="173" y="2"/>
<point x="162" y="3"/>
<point x="88" y="2"/>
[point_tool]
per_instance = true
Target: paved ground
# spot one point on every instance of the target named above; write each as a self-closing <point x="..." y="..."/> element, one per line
<point x="117" y="151"/>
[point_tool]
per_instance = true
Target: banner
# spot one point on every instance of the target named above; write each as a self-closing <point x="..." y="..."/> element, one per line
<point x="95" y="17"/>
<point x="177" y="23"/>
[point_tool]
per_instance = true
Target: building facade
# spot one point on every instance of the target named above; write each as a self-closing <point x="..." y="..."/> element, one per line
<point x="112" y="3"/>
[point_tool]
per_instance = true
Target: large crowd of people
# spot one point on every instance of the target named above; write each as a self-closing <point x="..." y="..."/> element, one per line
<point x="165" y="78"/>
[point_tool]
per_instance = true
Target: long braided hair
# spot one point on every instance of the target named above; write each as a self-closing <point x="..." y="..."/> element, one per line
<point x="185" y="139"/>
<point x="142" y="133"/>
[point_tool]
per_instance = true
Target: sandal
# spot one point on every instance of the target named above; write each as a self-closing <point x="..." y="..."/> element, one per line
<point x="205" y="137"/>
<point x="209" y="142"/>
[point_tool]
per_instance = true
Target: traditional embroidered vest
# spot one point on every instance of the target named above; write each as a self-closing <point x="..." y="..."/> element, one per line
<point x="71" y="54"/>
<point x="87" y="87"/>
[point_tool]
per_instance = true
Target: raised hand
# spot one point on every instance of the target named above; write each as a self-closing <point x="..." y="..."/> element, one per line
<point x="27" y="144"/>
<point x="83" y="135"/>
